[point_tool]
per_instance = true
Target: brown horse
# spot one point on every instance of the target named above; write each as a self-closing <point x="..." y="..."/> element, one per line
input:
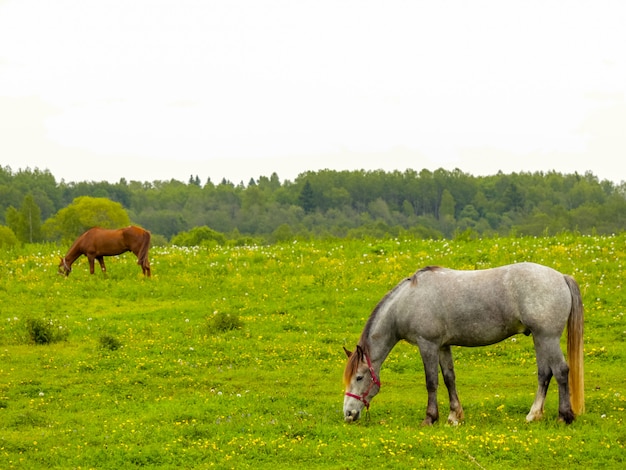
<point x="96" y="243"/>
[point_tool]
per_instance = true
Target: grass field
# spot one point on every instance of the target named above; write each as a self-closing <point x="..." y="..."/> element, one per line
<point x="232" y="358"/>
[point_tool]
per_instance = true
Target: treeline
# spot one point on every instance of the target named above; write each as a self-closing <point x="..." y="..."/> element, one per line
<point x="337" y="203"/>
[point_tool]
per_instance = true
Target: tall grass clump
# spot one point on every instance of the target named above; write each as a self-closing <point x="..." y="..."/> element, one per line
<point x="110" y="342"/>
<point x="45" y="331"/>
<point x="221" y="322"/>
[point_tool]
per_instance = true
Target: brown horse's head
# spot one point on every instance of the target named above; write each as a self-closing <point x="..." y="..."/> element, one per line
<point x="64" y="268"/>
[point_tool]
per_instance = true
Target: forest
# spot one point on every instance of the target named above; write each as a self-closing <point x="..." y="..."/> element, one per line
<point x="326" y="203"/>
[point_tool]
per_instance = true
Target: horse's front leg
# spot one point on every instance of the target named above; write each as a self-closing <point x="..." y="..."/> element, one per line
<point x="91" y="264"/>
<point x="447" y="370"/>
<point x="430" y="356"/>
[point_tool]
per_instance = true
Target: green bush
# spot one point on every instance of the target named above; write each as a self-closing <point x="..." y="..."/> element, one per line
<point x="199" y="236"/>
<point x="221" y="322"/>
<point x="45" y="331"/>
<point x="110" y="342"/>
<point x="7" y="237"/>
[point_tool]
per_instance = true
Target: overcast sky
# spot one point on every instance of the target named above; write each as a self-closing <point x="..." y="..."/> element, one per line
<point x="158" y="89"/>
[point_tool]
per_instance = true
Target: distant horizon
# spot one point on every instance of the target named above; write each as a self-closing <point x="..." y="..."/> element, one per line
<point x="216" y="182"/>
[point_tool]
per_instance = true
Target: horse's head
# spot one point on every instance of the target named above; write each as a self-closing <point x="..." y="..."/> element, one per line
<point x="361" y="382"/>
<point x="64" y="268"/>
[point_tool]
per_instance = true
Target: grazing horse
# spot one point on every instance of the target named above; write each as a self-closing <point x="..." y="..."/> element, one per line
<point x="437" y="308"/>
<point x="96" y="243"/>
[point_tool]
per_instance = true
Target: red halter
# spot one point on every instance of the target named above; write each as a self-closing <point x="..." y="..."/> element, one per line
<point x="375" y="381"/>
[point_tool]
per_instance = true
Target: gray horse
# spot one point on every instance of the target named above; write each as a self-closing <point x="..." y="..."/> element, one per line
<point x="437" y="308"/>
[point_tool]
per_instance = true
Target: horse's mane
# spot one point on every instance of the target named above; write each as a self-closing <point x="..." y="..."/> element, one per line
<point x="79" y="240"/>
<point x="426" y="269"/>
<point x="363" y="346"/>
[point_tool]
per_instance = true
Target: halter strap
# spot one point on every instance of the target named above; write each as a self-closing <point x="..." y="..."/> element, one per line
<point x="65" y="265"/>
<point x="375" y="381"/>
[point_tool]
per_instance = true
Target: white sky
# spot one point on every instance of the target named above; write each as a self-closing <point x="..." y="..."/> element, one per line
<point x="158" y="89"/>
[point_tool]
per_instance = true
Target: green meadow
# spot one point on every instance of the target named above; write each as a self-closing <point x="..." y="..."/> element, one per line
<point x="231" y="357"/>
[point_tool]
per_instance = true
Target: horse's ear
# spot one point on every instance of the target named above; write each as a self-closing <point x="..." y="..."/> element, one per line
<point x="348" y="353"/>
<point x="359" y="351"/>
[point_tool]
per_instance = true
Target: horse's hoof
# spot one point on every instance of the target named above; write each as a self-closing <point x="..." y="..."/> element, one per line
<point x="455" y="417"/>
<point x="568" y="418"/>
<point x="534" y="416"/>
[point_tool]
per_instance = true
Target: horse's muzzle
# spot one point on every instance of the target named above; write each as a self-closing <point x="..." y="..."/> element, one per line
<point x="352" y="416"/>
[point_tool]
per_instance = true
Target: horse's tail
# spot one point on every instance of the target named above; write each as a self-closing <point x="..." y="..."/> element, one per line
<point x="575" y="350"/>
<point x="142" y="256"/>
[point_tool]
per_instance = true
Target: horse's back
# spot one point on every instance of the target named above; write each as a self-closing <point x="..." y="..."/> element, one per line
<point x="544" y="297"/>
<point x="486" y="306"/>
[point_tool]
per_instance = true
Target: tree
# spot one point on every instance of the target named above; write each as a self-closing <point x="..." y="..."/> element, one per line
<point x="7" y="237"/>
<point x="307" y="198"/>
<point x="84" y="213"/>
<point x="25" y="223"/>
<point x="379" y="210"/>
<point x="283" y="233"/>
<point x="199" y="236"/>
<point x="328" y="202"/>
<point x="513" y="198"/>
<point x="446" y="208"/>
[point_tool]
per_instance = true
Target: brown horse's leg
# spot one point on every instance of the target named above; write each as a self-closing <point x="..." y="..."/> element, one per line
<point x="447" y="370"/>
<point x="145" y="266"/>
<point x="91" y="264"/>
<point x="101" y="261"/>
<point x="430" y="356"/>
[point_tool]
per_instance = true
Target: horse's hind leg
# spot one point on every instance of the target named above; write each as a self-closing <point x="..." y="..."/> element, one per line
<point x="560" y="371"/>
<point x="550" y="362"/>
<point x="102" y="266"/>
<point x="145" y="267"/>
<point x="447" y="370"/>
<point x="144" y="263"/>
<point x="544" y="374"/>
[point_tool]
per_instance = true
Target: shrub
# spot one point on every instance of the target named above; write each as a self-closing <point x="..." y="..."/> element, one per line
<point x="225" y="322"/>
<point x="45" y="331"/>
<point x="199" y="236"/>
<point x="110" y="342"/>
<point x="7" y="237"/>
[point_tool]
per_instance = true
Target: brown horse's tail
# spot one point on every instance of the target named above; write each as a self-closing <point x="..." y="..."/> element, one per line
<point x="142" y="256"/>
<point x="575" y="350"/>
